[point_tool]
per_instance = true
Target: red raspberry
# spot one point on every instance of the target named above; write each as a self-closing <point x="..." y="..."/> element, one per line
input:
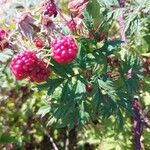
<point x="49" y="8"/>
<point x="72" y="25"/>
<point x="89" y="88"/>
<point x="41" y="72"/>
<point x="64" y="49"/>
<point x="38" y="42"/>
<point x="22" y="64"/>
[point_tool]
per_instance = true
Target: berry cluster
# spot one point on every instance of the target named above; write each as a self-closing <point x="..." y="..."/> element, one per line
<point x="49" y="8"/>
<point x="64" y="49"/>
<point x="27" y="64"/>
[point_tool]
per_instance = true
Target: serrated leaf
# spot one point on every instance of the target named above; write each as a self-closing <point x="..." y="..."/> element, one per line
<point x="80" y="89"/>
<point x="88" y="21"/>
<point x="51" y="85"/>
<point x="96" y="102"/>
<point x="62" y="70"/>
<point x="6" y="138"/>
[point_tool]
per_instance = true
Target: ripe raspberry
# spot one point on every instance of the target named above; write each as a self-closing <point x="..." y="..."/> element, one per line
<point x="49" y="8"/>
<point x="38" y="42"/>
<point x="41" y="72"/>
<point x="72" y="25"/>
<point x="22" y="64"/>
<point x="64" y="49"/>
<point x="89" y="88"/>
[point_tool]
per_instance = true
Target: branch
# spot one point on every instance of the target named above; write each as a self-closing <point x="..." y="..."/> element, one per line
<point x="50" y="138"/>
<point x="137" y="124"/>
<point x="121" y="21"/>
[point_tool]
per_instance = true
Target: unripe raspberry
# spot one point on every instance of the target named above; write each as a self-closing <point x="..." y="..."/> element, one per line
<point x="41" y="72"/>
<point x="64" y="49"/>
<point x="148" y="61"/>
<point x="89" y="88"/>
<point x="4" y="44"/>
<point x="72" y="25"/>
<point x="22" y="64"/>
<point x="102" y="36"/>
<point x="38" y="42"/>
<point x="49" y="8"/>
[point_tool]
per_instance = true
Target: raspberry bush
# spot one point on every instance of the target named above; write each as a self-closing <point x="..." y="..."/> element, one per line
<point x="93" y="69"/>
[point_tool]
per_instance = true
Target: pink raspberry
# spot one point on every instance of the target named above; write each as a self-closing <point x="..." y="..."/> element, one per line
<point x="22" y="64"/>
<point x="26" y="64"/>
<point x="49" y="8"/>
<point x="64" y="49"/>
<point x="41" y="72"/>
<point x="72" y="25"/>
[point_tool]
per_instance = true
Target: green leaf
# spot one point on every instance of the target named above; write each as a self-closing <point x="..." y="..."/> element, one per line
<point x="80" y="89"/>
<point x="88" y="21"/>
<point x="109" y="107"/>
<point x="96" y="102"/>
<point x="6" y="138"/>
<point x="107" y="85"/>
<point x="83" y="115"/>
<point x="62" y="70"/>
<point x="119" y="118"/>
<point x="51" y="85"/>
<point x="6" y="55"/>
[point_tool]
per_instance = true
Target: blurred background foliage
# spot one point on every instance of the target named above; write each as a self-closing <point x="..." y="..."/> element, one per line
<point x="22" y="129"/>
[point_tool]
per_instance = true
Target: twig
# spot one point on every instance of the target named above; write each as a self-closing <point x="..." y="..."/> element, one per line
<point x="50" y="138"/>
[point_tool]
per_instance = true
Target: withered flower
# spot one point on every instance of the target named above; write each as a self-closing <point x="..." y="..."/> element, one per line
<point x="4" y="43"/>
<point x="76" y="7"/>
<point x="25" y="24"/>
<point x="47" y="23"/>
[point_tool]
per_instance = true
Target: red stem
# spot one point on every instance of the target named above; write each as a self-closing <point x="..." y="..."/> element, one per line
<point x="137" y="124"/>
